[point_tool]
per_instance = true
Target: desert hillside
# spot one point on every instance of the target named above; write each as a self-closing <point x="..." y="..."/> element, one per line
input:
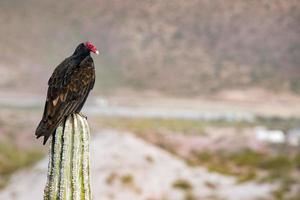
<point x="127" y="168"/>
<point x="179" y="47"/>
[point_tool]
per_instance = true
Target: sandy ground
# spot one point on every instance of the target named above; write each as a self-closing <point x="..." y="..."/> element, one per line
<point x="153" y="171"/>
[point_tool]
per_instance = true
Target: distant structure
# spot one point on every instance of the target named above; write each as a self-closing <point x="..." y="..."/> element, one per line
<point x="271" y="136"/>
<point x="293" y="137"/>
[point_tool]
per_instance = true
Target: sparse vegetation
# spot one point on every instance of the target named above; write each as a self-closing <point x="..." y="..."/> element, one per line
<point x="149" y="158"/>
<point x="249" y="165"/>
<point x="148" y="125"/>
<point x="17" y="151"/>
<point x="245" y="164"/>
<point x="127" y="179"/>
<point x="214" y="197"/>
<point x="154" y="125"/>
<point x="13" y="158"/>
<point x="211" y="185"/>
<point x="190" y="196"/>
<point x="182" y="184"/>
<point x="111" y="178"/>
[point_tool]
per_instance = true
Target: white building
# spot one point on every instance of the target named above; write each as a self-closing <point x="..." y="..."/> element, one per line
<point x="271" y="136"/>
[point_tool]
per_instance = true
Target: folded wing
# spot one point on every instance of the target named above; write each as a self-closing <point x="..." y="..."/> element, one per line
<point x="67" y="92"/>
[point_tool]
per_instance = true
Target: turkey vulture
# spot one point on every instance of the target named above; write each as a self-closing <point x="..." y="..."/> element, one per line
<point x="68" y="89"/>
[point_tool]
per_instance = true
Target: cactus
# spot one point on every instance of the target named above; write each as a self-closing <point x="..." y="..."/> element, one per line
<point x="69" y="167"/>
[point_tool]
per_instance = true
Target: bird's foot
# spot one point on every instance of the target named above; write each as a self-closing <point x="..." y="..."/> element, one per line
<point x="82" y="115"/>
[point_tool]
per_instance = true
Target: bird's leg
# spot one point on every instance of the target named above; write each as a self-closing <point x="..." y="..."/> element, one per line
<point x="82" y="115"/>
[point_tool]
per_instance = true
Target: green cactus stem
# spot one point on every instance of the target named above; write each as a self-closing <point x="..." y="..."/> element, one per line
<point x="69" y="163"/>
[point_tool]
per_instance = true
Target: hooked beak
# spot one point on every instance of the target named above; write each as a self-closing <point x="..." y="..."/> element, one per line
<point x="97" y="52"/>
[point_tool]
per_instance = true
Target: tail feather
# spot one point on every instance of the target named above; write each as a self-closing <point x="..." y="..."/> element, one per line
<point x="50" y="122"/>
<point x="44" y="129"/>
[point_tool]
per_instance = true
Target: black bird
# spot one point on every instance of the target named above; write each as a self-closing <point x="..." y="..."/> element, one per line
<point x="69" y="87"/>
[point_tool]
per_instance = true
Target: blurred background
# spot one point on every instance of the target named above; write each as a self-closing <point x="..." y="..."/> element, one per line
<point x="193" y="99"/>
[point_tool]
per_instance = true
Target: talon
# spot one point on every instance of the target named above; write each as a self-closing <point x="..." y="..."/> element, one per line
<point x="82" y="115"/>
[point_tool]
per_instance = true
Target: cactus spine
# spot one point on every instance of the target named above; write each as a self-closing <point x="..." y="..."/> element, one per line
<point x="69" y="166"/>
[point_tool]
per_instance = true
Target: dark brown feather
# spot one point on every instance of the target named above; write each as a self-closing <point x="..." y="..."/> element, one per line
<point x="68" y="89"/>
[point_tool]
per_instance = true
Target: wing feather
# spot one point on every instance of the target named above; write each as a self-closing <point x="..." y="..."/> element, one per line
<point x="67" y="92"/>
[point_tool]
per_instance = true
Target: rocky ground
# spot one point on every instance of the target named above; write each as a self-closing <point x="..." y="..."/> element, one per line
<point x="127" y="168"/>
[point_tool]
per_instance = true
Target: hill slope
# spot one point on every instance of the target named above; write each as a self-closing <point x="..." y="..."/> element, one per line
<point x="127" y="168"/>
<point x="183" y="47"/>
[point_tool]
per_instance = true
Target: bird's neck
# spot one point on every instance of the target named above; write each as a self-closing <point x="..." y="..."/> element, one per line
<point x="82" y="55"/>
